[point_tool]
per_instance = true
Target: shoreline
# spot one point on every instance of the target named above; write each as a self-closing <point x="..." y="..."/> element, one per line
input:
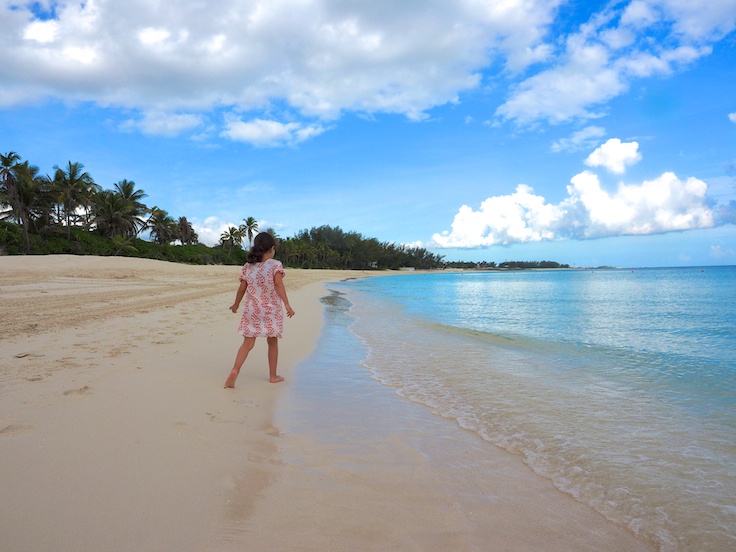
<point x="116" y="433"/>
<point x="366" y="462"/>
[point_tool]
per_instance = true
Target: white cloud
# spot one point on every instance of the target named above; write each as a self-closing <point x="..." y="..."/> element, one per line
<point x="319" y="58"/>
<point x="260" y="132"/>
<point x="157" y="123"/>
<point x="732" y="117"/>
<point x="210" y="230"/>
<point x="586" y="138"/>
<point x="600" y="61"/>
<point x="698" y="21"/>
<point x="568" y="90"/>
<point x="286" y="60"/>
<point x="42" y="31"/>
<point x="639" y="14"/>
<point x="502" y="220"/>
<point x="83" y="56"/>
<point x="615" y="156"/>
<point x="150" y="36"/>
<point x="665" y="204"/>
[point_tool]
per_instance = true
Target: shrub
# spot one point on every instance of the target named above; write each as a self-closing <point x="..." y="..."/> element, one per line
<point x="11" y="238"/>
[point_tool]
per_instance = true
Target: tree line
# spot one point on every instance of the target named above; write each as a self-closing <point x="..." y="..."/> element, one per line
<point x="331" y="247"/>
<point x="328" y="247"/>
<point x="91" y="220"/>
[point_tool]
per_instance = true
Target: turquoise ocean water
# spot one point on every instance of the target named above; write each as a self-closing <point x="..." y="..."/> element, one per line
<point x="617" y="385"/>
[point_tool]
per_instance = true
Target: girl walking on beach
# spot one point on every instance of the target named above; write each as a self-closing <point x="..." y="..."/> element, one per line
<point x="262" y="285"/>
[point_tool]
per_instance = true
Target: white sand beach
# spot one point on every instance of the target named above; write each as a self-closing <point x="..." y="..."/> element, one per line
<point x="116" y="433"/>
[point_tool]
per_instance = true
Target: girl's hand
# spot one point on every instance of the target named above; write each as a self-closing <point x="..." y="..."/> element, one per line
<point x="234" y="308"/>
<point x="289" y="311"/>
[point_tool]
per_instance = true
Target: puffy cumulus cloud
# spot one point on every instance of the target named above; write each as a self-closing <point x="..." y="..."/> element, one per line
<point x="284" y="60"/>
<point x="260" y="132"/>
<point x="732" y="117"/>
<point x="502" y="220"/>
<point x="664" y="204"/>
<point x="210" y="230"/>
<point x="625" y="41"/>
<point x="615" y="155"/>
<point x="316" y="59"/>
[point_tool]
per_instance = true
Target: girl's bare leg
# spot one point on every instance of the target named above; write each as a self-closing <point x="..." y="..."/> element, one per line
<point x="243" y="351"/>
<point x="273" y="358"/>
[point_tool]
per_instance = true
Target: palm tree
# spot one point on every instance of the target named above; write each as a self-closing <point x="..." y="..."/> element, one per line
<point x="8" y="186"/>
<point x="231" y="238"/>
<point x="249" y="228"/>
<point x="185" y="232"/>
<point x="163" y="227"/>
<point x="125" y="189"/>
<point x="76" y="189"/>
<point x="112" y="215"/>
<point x="26" y="194"/>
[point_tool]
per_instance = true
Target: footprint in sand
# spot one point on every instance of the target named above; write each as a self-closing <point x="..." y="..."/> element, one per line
<point x="35" y="378"/>
<point x="15" y="429"/>
<point x="24" y="355"/>
<point x="273" y="432"/>
<point x="81" y="391"/>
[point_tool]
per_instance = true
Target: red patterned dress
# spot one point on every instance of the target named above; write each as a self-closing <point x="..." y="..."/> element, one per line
<point x="262" y="311"/>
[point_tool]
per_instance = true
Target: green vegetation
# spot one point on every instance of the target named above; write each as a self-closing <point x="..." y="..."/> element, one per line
<point x="83" y="242"/>
<point x="70" y="213"/>
<point x="521" y="265"/>
<point x="327" y="247"/>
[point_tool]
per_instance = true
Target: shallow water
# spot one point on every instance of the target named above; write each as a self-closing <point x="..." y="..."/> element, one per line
<point x="619" y="386"/>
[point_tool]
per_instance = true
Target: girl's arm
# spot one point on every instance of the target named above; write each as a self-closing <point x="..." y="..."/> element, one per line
<point x="239" y="295"/>
<point x="278" y="280"/>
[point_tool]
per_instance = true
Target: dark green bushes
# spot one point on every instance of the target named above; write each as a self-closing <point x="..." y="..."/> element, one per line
<point x="54" y="241"/>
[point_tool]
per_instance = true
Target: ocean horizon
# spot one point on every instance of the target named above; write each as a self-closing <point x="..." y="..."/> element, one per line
<point x="617" y="385"/>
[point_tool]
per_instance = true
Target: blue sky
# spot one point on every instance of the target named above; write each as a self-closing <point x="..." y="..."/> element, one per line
<point x="588" y="133"/>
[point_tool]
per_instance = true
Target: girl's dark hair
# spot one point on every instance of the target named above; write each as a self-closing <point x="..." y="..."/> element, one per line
<point x="261" y="244"/>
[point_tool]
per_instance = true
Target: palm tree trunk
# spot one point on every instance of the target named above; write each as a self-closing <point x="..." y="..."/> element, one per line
<point x="22" y="219"/>
<point x="26" y="238"/>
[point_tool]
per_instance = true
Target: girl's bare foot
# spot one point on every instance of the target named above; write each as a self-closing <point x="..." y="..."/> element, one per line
<point x="276" y="379"/>
<point x="230" y="382"/>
